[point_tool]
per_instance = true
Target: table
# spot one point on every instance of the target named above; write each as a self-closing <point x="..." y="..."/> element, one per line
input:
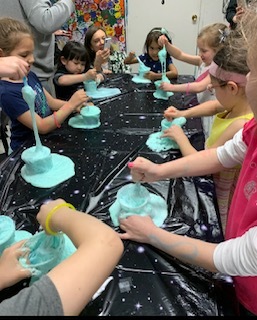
<point x="146" y="282"/>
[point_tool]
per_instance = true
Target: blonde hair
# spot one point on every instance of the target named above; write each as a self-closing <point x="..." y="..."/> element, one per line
<point x="211" y="35"/>
<point x="11" y="32"/>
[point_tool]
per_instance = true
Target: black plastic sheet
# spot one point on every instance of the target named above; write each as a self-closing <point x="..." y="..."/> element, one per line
<point x="146" y="282"/>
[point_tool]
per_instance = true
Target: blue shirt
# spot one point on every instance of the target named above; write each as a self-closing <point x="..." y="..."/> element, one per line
<point x="155" y="65"/>
<point x="14" y="105"/>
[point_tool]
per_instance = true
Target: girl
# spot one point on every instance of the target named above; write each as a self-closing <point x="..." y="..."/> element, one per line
<point x="230" y="91"/>
<point x="16" y="40"/>
<point x="72" y="69"/>
<point x="209" y="41"/>
<point x="151" y="59"/>
<point x="236" y="256"/>
<point x="98" y="55"/>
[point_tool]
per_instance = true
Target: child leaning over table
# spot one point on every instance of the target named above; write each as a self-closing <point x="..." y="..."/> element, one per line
<point x="150" y="57"/>
<point x="16" y="39"/>
<point x="228" y="73"/>
<point x="73" y="68"/>
<point x="237" y="255"/>
<point x="209" y="41"/>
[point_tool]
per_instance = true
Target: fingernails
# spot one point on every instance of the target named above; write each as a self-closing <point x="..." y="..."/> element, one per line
<point x="130" y="165"/>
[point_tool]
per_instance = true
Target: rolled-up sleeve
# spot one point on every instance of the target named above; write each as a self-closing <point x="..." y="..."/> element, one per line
<point x="233" y="151"/>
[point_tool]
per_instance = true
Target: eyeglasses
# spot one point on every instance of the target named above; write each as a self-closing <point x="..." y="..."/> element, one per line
<point x="212" y="87"/>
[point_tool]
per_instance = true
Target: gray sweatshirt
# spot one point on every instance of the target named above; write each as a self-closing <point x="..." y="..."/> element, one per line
<point x="43" y="19"/>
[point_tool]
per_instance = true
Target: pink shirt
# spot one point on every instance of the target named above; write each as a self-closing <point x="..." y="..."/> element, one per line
<point x="243" y="212"/>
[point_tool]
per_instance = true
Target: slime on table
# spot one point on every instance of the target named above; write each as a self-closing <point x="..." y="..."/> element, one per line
<point x="42" y="168"/>
<point x="91" y="87"/>
<point x="157" y="143"/>
<point x="89" y="118"/>
<point x="134" y="198"/>
<point x="142" y="70"/>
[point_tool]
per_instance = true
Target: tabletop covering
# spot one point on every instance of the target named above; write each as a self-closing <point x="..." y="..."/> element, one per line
<point x="146" y="282"/>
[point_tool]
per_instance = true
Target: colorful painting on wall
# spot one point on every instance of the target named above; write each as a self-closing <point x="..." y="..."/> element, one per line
<point x="109" y="14"/>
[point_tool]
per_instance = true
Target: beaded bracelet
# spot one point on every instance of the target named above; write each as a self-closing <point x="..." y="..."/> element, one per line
<point x="56" y="121"/>
<point x="49" y="216"/>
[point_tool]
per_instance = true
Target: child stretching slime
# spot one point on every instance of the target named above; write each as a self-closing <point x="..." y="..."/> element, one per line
<point x="16" y="40"/>
<point x="237" y="255"/>
<point x="209" y="41"/>
<point x="228" y="73"/>
<point x="72" y="69"/>
<point x="151" y="59"/>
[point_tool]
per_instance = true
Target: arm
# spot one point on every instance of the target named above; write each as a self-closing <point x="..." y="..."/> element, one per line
<point x="178" y="54"/>
<point x="208" y="108"/>
<point x="47" y="124"/>
<point x="231" y="11"/>
<point x="69" y="79"/>
<point x="131" y="58"/>
<point x="192" y="87"/>
<point x="197" y="164"/>
<point x="189" y="250"/>
<point x="177" y="134"/>
<point x="52" y="17"/>
<point x="98" y="251"/>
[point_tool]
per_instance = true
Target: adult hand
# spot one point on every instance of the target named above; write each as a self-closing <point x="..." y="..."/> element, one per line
<point x="144" y="170"/>
<point x="137" y="228"/>
<point x="10" y="269"/>
<point x="13" y="67"/>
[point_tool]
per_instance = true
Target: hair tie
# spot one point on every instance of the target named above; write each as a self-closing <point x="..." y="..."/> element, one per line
<point x="224" y="34"/>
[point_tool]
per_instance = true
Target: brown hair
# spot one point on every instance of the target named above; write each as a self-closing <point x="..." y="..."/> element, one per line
<point x="233" y="55"/>
<point x="87" y="42"/>
<point x="11" y="32"/>
<point x="211" y="35"/>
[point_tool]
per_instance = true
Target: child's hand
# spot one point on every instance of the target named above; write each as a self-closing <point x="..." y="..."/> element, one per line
<point x="45" y="209"/>
<point x="171" y="112"/>
<point x="174" y="133"/>
<point x="78" y="100"/>
<point x="150" y="75"/>
<point x="130" y="57"/>
<point x="165" y="86"/>
<point x="10" y="269"/>
<point x="90" y="74"/>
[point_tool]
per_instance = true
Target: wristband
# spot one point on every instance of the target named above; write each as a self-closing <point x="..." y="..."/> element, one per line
<point x="49" y="216"/>
<point x="56" y="121"/>
<point x="187" y="89"/>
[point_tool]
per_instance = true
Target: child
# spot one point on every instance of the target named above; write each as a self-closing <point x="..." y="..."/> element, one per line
<point x="16" y="40"/>
<point x="229" y="85"/>
<point x="236" y="256"/>
<point x="72" y="69"/>
<point x="151" y="59"/>
<point x="98" y="55"/>
<point x="80" y="275"/>
<point x="209" y="41"/>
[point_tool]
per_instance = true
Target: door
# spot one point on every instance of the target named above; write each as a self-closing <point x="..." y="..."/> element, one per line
<point x="182" y="18"/>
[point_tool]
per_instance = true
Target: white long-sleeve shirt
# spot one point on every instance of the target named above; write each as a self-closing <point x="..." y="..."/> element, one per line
<point x="236" y="256"/>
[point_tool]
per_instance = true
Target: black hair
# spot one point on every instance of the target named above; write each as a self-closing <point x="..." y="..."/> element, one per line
<point x="74" y="50"/>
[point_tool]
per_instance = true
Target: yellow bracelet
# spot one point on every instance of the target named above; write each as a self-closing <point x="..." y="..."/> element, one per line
<point x="49" y="216"/>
